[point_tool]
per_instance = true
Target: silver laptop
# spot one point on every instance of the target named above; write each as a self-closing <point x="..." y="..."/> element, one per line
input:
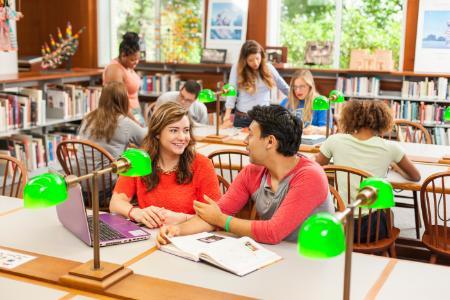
<point x="114" y="229"/>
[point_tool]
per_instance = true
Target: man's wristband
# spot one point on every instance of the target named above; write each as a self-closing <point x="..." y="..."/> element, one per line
<point x="227" y="223"/>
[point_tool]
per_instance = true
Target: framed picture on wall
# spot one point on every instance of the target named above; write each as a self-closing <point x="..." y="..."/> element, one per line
<point x="213" y="56"/>
<point x="226" y="26"/>
<point x="276" y="55"/>
<point x="433" y="37"/>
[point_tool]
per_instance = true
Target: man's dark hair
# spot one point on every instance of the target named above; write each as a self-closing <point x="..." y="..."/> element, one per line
<point x="129" y="44"/>
<point x="278" y="121"/>
<point x="192" y="87"/>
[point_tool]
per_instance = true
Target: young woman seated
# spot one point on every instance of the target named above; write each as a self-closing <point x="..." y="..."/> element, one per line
<point x="302" y="92"/>
<point x="180" y="176"/>
<point x="361" y="146"/>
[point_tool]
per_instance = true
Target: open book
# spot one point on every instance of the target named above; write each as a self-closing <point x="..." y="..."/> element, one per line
<point x="239" y="256"/>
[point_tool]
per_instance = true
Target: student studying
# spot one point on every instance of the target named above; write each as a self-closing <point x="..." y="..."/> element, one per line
<point x="285" y="187"/>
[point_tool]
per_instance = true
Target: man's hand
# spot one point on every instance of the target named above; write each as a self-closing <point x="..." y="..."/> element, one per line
<point x="166" y="231"/>
<point x="209" y="212"/>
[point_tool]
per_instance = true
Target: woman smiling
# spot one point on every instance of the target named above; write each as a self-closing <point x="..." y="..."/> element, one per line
<point x="179" y="175"/>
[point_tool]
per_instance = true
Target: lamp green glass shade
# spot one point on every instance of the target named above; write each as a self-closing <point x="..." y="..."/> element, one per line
<point x="321" y="236"/>
<point x="336" y="96"/>
<point x="141" y="164"/>
<point x="447" y="114"/>
<point x="45" y="190"/>
<point x="229" y="90"/>
<point x="320" y="103"/>
<point x="206" y="96"/>
<point x="385" y="194"/>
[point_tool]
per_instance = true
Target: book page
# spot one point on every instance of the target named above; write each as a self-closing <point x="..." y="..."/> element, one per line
<point x="195" y="244"/>
<point x="240" y="256"/>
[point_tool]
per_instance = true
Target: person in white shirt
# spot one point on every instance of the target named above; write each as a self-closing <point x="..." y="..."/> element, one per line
<point x="187" y="97"/>
<point x="361" y="146"/>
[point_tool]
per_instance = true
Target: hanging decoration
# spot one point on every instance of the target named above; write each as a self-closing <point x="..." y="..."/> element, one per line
<point x="8" y="39"/>
<point x="61" y="50"/>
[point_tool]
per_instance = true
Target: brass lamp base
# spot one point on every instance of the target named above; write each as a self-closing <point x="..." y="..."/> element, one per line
<point x="215" y="137"/>
<point x="84" y="276"/>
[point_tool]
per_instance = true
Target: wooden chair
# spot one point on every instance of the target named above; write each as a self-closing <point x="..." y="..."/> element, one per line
<point x="410" y="132"/>
<point x="13" y="178"/>
<point x="435" y="203"/>
<point x="339" y="204"/>
<point x="229" y="162"/>
<point x="223" y="184"/>
<point x="80" y="157"/>
<point x="351" y="178"/>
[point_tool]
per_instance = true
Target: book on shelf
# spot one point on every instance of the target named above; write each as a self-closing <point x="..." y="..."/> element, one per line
<point x="236" y="255"/>
<point x="437" y="89"/>
<point x="359" y="86"/>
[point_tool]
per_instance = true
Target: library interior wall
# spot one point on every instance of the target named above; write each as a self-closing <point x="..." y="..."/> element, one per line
<point x="44" y="16"/>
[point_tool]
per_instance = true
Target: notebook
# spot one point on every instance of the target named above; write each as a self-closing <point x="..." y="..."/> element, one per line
<point x="114" y="229"/>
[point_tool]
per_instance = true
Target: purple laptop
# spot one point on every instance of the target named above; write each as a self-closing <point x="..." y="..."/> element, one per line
<point x="113" y="229"/>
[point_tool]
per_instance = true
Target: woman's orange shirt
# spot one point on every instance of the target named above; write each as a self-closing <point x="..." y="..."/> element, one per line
<point x="171" y="195"/>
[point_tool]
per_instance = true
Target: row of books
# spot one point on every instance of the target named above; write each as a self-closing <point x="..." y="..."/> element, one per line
<point x="359" y="86"/>
<point x="427" y="89"/>
<point x="161" y="83"/>
<point x="34" y="149"/>
<point x="440" y="136"/>
<point x="427" y="114"/>
<point x="28" y="107"/>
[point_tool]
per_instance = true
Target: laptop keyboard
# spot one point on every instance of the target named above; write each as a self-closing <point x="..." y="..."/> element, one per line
<point x="106" y="232"/>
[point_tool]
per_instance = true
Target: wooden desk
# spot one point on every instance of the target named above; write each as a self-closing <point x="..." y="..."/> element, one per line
<point x="21" y="290"/>
<point x="39" y="233"/>
<point x="414" y="280"/>
<point x="9" y="204"/>
<point x="425" y="170"/>
<point x="293" y="277"/>
<point x="425" y="152"/>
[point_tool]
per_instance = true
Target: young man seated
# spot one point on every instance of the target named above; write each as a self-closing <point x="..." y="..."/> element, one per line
<point x="285" y="187"/>
<point x="187" y="97"/>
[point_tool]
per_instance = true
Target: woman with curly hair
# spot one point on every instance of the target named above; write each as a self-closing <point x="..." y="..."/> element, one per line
<point x="361" y="146"/>
<point x="180" y="175"/>
<point x="121" y="69"/>
<point x="254" y="78"/>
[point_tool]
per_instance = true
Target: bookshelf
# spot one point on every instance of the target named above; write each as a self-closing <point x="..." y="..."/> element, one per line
<point x="425" y="90"/>
<point x="27" y="116"/>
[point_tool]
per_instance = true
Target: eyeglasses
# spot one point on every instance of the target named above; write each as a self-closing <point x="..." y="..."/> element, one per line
<point x="299" y="87"/>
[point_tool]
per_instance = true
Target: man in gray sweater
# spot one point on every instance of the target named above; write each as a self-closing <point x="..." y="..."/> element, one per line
<point x="187" y="97"/>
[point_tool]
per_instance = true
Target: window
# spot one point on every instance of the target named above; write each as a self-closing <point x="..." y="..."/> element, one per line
<point x="171" y="30"/>
<point x="352" y="24"/>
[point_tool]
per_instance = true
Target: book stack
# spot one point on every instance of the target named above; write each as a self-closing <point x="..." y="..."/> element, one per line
<point x="29" y="63"/>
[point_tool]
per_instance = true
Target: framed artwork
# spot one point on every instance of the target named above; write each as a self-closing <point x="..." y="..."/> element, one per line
<point x="433" y="37"/>
<point x="213" y="56"/>
<point x="276" y="55"/>
<point x="226" y="26"/>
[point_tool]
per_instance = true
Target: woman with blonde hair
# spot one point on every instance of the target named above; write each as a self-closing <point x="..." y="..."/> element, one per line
<point x="302" y="92"/>
<point x="180" y="175"/>
<point x="254" y="78"/>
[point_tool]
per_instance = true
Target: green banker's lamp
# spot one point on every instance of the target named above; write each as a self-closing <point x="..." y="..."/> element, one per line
<point x="322" y="235"/>
<point x="208" y="96"/>
<point x="447" y="114"/>
<point x="324" y="103"/>
<point x="50" y="189"/>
